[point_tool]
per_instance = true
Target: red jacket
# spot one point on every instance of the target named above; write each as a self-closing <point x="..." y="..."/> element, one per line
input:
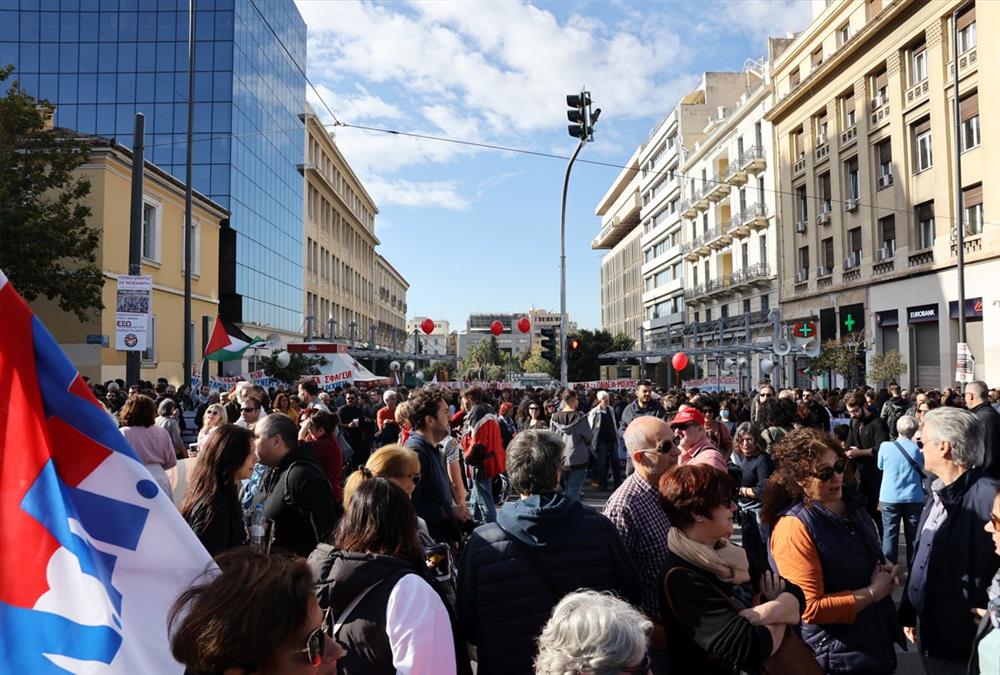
<point x="482" y="445"/>
<point x="331" y="458"/>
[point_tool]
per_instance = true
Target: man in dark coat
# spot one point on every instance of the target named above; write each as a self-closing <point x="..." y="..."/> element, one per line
<point x="543" y="546"/>
<point x="298" y="500"/>
<point x="642" y="405"/>
<point x="867" y="434"/>
<point x="978" y="401"/>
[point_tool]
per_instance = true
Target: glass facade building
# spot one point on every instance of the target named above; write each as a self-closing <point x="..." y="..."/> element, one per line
<point x="101" y="61"/>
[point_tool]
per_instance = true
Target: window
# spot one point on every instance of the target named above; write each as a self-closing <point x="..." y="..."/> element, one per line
<point x="708" y="315"/>
<point x="794" y="78"/>
<point x="968" y="110"/>
<point x="972" y="205"/>
<point x="151" y="232"/>
<point x="798" y="147"/>
<point x="827" y="253"/>
<point x="925" y="225"/>
<point x="850" y="116"/>
<point x="804" y="262"/>
<point x="918" y="63"/>
<point x="765" y="303"/>
<point x="922" y="157"/>
<point x="195" y="248"/>
<point x="802" y="204"/>
<point x="880" y="88"/>
<point x="887" y="232"/>
<point x="851" y="174"/>
<point x="874" y="7"/>
<point x="854" y="242"/>
<point x="746" y="306"/>
<point x="762" y="241"/>
<point x="821" y="128"/>
<point x="825" y="197"/>
<point x="149" y="355"/>
<point x="883" y="155"/>
<point x="816" y="58"/>
<point x="843" y="34"/>
<point x="966" y="30"/>
<point x="745" y="255"/>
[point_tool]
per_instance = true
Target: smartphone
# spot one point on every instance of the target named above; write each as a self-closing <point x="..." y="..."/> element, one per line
<point x="438" y="560"/>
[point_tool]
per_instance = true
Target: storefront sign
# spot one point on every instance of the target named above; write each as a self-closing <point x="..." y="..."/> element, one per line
<point x="973" y="309"/>
<point x="922" y="314"/>
<point x="887" y="318"/>
<point x="133" y="305"/>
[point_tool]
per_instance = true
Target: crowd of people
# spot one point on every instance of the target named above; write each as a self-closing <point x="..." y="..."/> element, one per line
<point x="425" y="531"/>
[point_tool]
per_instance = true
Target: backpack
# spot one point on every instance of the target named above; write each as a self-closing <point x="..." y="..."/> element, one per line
<point x="895" y="412"/>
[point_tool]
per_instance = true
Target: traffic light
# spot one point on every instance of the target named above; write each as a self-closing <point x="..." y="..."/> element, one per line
<point x="581" y="116"/>
<point x="573" y="346"/>
<point x="548" y="344"/>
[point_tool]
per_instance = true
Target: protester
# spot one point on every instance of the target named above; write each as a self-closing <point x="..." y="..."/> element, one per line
<point x="215" y="416"/>
<point x="824" y="542"/>
<point x="764" y="394"/>
<point x="696" y="446"/>
<point x="776" y="417"/>
<point x="986" y="648"/>
<point x="572" y="428"/>
<point x="954" y="559"/>
<point x="894" y="408"/>
<point x="297" y="496"/>
<point x="256" y="614"/>
<point x="211" y="505"/>
<point x="373" y="583"/>
<point x="978" y="402"/>
<point x="387" y="429"/>
<point x="396" y="464"/>
<point x="250" y="412"/>
<point x="543" y="546"/>
<point x="604" y="446"/>
<point x="151" y="443"/>
<point x="634" y="508"/>
<point x="711" y="627"/>
<point x="483" y="448"/>
<point x="309" y="397"/>
<point x="166" y="418"/>
<point x="593" y="633"/>
<point x="716" y="430"/>
<point x="755" y="466"/>
<point x="901" y="497"/>
<point x="320" y="430"/>
<point x="868" y="433"/>
<point x="536" y="417"/>
<point x="354" y="425"/>
<point x="432" y="497"/>
<point x="283" y="405"/>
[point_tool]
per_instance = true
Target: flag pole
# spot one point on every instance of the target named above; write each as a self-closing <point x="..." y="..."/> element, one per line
<point x="188" y="332"/>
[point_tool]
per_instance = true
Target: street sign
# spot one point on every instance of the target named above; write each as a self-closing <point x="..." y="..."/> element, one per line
<point x="98" y="340"/>
<point x="804" y="329"/>
<point x="965" y="364"/>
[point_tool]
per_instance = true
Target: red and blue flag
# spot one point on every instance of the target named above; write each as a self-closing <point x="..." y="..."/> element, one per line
<point x="92" y="553"/>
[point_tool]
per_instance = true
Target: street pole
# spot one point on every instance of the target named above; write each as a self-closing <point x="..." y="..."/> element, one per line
<point x="642" y="348"/>
<point x="133" y="358"/>
<point x="204" y="346"/>
<point x="960" y="226"/>
<point x="188" y="334"/>
<point x="563" y="367"/>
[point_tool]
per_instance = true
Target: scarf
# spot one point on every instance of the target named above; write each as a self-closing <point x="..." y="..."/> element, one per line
<point x="725" y="560"/>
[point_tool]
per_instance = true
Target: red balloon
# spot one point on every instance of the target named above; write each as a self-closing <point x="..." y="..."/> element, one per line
<point x="524" y="324"/>
<point x="679" y="361"/>
<point x="427" y="325"/>
<point x="496" y="328"/>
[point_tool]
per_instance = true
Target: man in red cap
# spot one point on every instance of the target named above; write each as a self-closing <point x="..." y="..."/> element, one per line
<point x="696" y="446"/>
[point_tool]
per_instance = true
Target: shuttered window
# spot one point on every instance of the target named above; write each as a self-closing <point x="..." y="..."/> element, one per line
<point x="926" y="355"/>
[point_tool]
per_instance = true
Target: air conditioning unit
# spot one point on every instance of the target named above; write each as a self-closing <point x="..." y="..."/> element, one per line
<point x="802" y="276"/>
<point x="884" y="181"/>
<point x="852" y="261"/>
<point x="824" y="215"/>
<point x="851" y="204"/>
<point x="823" y="271"/>
<point x="879" y="101"/>
<point x="821" y="140"/>
<point x="883" y="253"/>
<point x="800" y="227"/>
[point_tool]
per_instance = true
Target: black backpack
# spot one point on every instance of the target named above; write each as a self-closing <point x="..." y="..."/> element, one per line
<point x="895" y="412"/>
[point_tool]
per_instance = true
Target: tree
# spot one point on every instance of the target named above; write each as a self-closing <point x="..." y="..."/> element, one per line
<point x="484" y="361"/>
<point x="46" y="246"/>
<point x="534" y="363"/>
<point x="298" y="365"/>
<point x="585" y="364"/>
<point x="886" y="366"/>
<point x="840" y="357"/>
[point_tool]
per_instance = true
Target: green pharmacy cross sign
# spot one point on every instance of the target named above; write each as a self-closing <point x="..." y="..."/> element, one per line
<point x="804" y="329"/>
<point x="849" y="323"/>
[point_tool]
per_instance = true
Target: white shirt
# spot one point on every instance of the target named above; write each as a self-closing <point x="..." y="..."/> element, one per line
<point x="418" y="628"/>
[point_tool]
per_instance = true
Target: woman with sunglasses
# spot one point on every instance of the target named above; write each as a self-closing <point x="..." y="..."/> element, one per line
<point x="394" y="463"/>
<point x="374" y="585"/>
<point x="215" y="417"/>
<point x="824" y="541"/>
<point x="536" y="417"/>
<point x="255" y="614"/>
<point x="723" y="614"/>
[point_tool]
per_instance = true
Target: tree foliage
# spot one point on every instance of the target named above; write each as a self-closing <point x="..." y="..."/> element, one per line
<point x="839" y="356"/>
<point x="584" y="365"/>
<point x="299" y="365"/>
<point x="534" y="363"/>
<point x="46" y="246"/>
<point x="886" y="366"/>
<point x="488" y="362"/>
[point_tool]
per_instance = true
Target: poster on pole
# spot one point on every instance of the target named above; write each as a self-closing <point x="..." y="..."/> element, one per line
<point x="965" y="364"/>
<point x="133" y="304"/>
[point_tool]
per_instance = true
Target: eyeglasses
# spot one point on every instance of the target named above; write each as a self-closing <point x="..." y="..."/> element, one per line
<point x="212" y="412"/>
<point x="315" y="646"/>
<point x="415" y="478"/>
<point x="666" y="446"/>
<point x="826" y="473"/>
<point x="684" y="427"/>
<point x="641" y="668"/>
<point x="763" y="395"/>
<point x="249" y="410"/>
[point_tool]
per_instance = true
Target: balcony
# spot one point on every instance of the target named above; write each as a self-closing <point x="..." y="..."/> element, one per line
<point x="737" y="228"/>
<point x="718" y="286"/>
<point x="822" y="149"/>
<point x="701" y="201"/>
<point x="753" y="275"/>
<point x="851" y="204"/>
<point x="825" y="213"/>
<point x="624" y="218"/>
<point x="718" y="237"/>
<point x="693" y="295"/>
<point x="687" y="209"/>
<point x="755" y="216"/>
<point x="690" y="249"/>
<point x="799" y="166"/>
<point x="880" y="110"/>
<point x="916" y="93"/>
<point x="718" y="189"/>
<point x="849" y="136"/>
<point x="753" y="160"/>
<point x="736" y="175"/>
<point x="702" y="248"/>
<point x="966" y="62"/>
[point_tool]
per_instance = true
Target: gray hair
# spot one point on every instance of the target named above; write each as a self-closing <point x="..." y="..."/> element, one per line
<point x="389" y="394"/>
<point x="601" y="395"/>
<point x="961" y="429"/>
<point x="593" y="633"/>
<point x="906" y="426"/>
<point x="166" y="408"/>
<point x="977" y="389"/>
<point x="534" y="459"/>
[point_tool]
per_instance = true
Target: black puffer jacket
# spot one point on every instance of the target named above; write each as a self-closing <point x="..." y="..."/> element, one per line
<point x="503" y="603"/>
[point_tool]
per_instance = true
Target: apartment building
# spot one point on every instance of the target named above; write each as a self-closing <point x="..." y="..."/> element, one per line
<point x="511" y="339"/>
<point x="661" y="180"/>
<point x="865" y="139"/>
<point x="621" y="267"/>
<point x="390" y="305"/>
<point x="729" y="230"/>
<point x="434" y="343"/>
<point x="339" y="239"/>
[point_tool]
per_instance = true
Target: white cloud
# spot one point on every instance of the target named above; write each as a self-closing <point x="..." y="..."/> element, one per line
<point x="439" y="194"/>
<point x="761" y="19"/>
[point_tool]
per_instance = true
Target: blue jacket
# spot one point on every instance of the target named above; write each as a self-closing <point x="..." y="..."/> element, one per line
<point x="962" y="564"/>
<point x="503" y="603"/>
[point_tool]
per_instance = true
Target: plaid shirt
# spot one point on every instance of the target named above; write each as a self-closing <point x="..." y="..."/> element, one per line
<point x="635" y="510"/>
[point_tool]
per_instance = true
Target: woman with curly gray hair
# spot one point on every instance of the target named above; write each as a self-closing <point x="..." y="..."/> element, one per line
<point x="593" y="633"/>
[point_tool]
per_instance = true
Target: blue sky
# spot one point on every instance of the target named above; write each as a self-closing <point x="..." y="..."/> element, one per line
<point x="478" y="230"/>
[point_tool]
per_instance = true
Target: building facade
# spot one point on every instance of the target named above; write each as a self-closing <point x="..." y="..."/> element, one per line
<point x="90" y="344"/>
<point x="101" y="63"/>
<point x="865" y="139"/>
<point x="340" y="241"/>
<point x="511" y="340"/>
<point x="390" y="306"/>
<point x="621" y="267"/>
<point x="729" y="242"/>
<point x="434" y="343"/>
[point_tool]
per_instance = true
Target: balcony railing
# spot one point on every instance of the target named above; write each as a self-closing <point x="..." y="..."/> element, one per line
<point x="755" y="216"/>
<point x="799" y="166"/>
<point x="718" y="188"/>
<point x="753" y="159"/>
<point x="687" y="209"/>
<point x="736" y="175"/>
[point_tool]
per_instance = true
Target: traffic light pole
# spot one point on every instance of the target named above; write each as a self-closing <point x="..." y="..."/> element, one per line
<point x="563" y="368"/>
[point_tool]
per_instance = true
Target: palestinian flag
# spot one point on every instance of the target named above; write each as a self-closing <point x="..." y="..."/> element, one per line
<point x="228" y="342"/>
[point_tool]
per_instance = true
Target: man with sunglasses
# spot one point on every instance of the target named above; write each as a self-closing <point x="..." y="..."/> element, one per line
<point x="635" y="510"/>
<point x="765" y="393"/>
<point x="696" y="447"/>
